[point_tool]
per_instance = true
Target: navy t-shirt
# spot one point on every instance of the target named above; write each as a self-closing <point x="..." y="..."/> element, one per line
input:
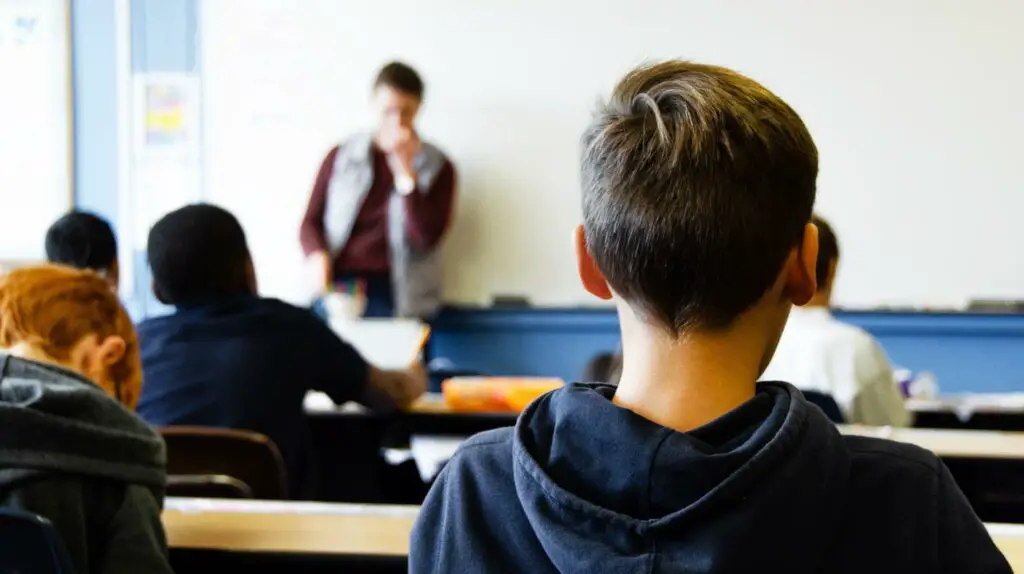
<point x="246" y="363"/>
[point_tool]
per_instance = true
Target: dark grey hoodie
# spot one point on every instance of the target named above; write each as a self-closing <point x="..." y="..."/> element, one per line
<point x="74" y="455"/>
<point x="582" y="485"/>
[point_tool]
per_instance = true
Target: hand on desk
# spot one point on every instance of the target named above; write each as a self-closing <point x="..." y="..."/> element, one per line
<point x="388" y="390"/>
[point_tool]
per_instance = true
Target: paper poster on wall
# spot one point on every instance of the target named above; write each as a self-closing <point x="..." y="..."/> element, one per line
<point x="165" y="164"/>
<point x="167" y="115"/>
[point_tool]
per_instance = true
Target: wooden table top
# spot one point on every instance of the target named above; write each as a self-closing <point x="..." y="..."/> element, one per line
<point x="348" y="529"/>
<point x="951" y="443"/>
<point x="1010" y="540"/>
<point x="289" y="527"/>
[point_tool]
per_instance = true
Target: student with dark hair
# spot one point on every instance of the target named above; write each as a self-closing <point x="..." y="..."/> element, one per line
<point x="380" y="206"/>
<point x="819" y="353"/>
<point x="85" y="241"/>
<point x="698" y="185"/>
<point x="229" y="358"/>
<point x="71" y="450"/>
<point x="603" y="368"/>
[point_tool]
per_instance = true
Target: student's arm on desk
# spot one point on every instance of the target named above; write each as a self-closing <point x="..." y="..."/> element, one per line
<point x="393" y="390"/>
<point x="342" y="373"/>
<point x="964" y="544"/>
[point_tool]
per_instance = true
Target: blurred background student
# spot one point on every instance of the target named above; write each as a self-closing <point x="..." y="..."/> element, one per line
<point x="818" y="352"/>
<point x="84" y="241"/>
<point x="229" y="358"/>
<point x="71" y="450"/>
<point x="380" y="206"/>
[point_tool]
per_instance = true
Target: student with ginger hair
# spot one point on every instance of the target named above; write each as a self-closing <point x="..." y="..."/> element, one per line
<point x="72" y="450"/>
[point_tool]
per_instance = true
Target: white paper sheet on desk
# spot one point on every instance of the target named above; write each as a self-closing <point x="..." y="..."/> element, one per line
<point x="384" y="343"/>
<point x="319" y="402"/>
<point x="966" y="405"/>
<point x="432" y="452"/>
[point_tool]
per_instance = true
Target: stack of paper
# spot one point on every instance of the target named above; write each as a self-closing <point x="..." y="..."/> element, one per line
<point x="384" y="343"/>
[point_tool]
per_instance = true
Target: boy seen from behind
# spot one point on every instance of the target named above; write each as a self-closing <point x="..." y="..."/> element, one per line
<point x="71" y="450"/>
<point x="229" y="358"/>
<point x="698" y="185"/>
<point x="85" y="241"/>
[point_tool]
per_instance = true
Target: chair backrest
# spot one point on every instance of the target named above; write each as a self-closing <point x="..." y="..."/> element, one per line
<point x="246" y="456"/>
<point x="827" y="404"/>
<point x="207" y="486"/>
<point x="30" y="543"/>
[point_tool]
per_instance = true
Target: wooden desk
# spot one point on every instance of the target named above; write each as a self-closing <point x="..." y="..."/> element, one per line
<point x="1010" y="540"/>
<point x="988" y="466"/>
<point x="428" y="415"/>
<point x="951" y="443"/>
<point x="344" y="529"/>
<point x="289" y="527"/>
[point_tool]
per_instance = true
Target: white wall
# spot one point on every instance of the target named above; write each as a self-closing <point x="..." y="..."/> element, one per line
<point x="35" y="124"/>
<point x="914" y="104"/>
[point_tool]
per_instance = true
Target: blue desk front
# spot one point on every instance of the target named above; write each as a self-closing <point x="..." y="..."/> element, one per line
<point x="968" y="352"/>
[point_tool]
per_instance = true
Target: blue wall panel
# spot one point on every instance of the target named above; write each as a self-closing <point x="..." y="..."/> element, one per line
<point x="164" y="36"/>
<point x="94" y="65"/>
<point x="969" y="353"/>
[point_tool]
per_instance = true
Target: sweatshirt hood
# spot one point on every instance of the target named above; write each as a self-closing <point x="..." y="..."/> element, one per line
<point x="606" y="490"/>
<point x="54" y="420"/>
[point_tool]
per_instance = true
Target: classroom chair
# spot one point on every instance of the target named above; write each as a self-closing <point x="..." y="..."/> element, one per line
<point x="207" y="486"/>
<point x="248" y="457"/>
<point x="30" y="543"/>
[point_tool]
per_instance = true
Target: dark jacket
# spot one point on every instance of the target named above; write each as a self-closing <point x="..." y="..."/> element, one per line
<point x="74" y="455"/>
<point x="581" y="485"/>
<point x="246" y="362"/>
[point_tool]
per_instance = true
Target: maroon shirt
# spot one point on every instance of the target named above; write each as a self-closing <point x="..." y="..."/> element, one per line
<point x="426" y="217"/>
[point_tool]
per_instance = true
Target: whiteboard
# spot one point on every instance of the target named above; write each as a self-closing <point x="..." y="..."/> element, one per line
<point x="914" y="105"/>
<point x="35" y="124"/>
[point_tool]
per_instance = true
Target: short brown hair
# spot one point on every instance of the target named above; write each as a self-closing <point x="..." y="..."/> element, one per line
<point x="828" y="251"/>
<point x="400" y="77"/>
<point x="697" y="182"/>
<point x="54" y="307"/>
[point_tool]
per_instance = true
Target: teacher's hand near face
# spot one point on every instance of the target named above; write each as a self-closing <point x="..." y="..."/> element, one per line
<point x="402" y="151"/>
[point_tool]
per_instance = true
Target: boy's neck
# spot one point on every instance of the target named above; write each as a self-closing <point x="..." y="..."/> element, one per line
<point x="822" y="298"/>
<point x="687" y="382"/>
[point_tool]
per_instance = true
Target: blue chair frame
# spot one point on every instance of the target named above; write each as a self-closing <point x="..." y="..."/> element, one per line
<point x="31" y="543"/>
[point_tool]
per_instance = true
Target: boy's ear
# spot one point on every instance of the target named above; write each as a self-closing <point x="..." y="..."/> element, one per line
<point x="111" y="350"/>
<point x="801" y="275"/>
<point x="591" y="277"/>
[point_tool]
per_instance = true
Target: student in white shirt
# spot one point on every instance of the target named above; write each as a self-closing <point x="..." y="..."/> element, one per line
<point x="820" y="353"/>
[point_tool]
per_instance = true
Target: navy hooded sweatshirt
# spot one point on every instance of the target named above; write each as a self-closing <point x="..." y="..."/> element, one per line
<point x="582" y="485"/>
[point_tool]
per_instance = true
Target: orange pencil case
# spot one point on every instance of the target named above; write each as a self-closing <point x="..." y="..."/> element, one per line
<point x="495" y="394"/>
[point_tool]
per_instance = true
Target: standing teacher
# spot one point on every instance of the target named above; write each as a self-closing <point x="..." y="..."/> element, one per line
<point x="380" y="206"/>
